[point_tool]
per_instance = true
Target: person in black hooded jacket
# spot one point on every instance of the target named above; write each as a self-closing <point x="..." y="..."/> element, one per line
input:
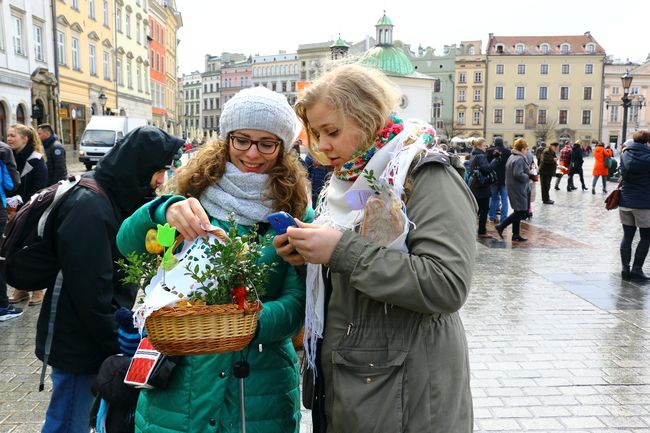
<point x="85" y="228"/>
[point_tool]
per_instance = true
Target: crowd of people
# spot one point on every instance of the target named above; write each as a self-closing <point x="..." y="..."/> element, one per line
<point x="385" y="348"/>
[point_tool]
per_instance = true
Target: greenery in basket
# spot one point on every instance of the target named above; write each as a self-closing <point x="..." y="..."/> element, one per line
<point x="139" y="269"/>
<point x="236" y="270"/>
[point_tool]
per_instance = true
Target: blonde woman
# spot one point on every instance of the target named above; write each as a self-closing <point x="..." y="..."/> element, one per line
<point x="30" y="161"/>
<point x="517" y="178"/>
<point x="387" y="343"/>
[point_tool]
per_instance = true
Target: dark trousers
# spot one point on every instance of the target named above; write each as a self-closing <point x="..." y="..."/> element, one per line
<point x="515" y="219"/>
<point x="579" y="173"/>
<point x="545" y="183"/>
<point x="4" y="299"/>
<point x="483" y="208"/>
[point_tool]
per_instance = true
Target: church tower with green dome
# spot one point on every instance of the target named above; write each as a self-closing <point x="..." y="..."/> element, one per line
<point x="416" y="88"/>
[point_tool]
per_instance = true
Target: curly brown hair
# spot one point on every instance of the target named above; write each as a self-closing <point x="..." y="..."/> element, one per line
<point x="288" y="186"/>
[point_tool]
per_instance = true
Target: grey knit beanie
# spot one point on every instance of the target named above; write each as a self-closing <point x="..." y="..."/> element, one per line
<point x="262" y="109"/>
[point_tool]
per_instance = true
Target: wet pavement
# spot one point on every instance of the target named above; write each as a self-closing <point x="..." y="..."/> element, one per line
<point x="558" y="342"/>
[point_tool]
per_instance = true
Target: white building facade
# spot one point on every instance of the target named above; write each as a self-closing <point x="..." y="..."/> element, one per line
<point x="278" y="72"/>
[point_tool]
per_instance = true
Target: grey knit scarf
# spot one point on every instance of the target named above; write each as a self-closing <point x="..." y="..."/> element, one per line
<point x="239" y="193"/>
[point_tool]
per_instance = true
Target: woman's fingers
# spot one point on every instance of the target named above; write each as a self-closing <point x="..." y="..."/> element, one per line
<point x="188" y="217"/>
<point x="287" y="251"/>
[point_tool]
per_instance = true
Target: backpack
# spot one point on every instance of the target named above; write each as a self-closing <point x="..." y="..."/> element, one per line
<point x="484" y="179"/>
<point x="27" y="252"/>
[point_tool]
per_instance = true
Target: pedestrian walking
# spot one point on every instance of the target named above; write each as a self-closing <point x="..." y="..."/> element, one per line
<point x="54" y="154"/>
<point x="517" y="179"/>
<point x="480" y="173"/>
<point x="565" y="163"/>
<point x="498" y="190"/>
<point x="7" y="311"/>
<point x="547" y="168"/>
<point x="388" y="316"/>
<point x="250" y="172"/>
<point x="575" y="166"/>
<point x="28" y="151"/>
<point x="600" y="167"/>
<point x="85" y="226"/>
<point x="634" y="205"/>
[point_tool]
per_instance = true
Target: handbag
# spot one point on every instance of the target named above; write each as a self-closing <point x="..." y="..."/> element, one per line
<point x="612" y="200"/>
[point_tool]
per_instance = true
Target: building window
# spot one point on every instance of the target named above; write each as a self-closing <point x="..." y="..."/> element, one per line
<point x="92" y="59"/>
<point x="613" y="113"/>
<point x="127" y="25"/>
<point x="563" y="118"/>
<point x="105" y="7"/>
<point x="543" y="69"/>
<point x="615" y="90"/>
<point x="60" y="47"/>
<point x="17" y="24"/>
<point x="477" y="95"/>
<point x="498" y="92"/>
<point x="587" y="93"/>
<point x="205" y="104"/>
<point x="544" y="48"/>
<point x="38" y="42"/>
<point x="118" y="71"/>
<point x="76" y="65"/>
<point x="541" y="117"/>
<point x="499" y="70"/>
<point x="521" y="69"/>
<point x="461" y="77"/>
<point x="129" y="76"/>
<point x="118" y="20"/>
<point x="91" y="9"/>
<point x="565" y="68"/>
<point x="75" y="4"/>
<point x="589" y="69"/>
<point x="519" y="115"/>
<point x="520" y="92"/>
<point x="137" y="31"/>
<point x="564" y="48"/>
<point x="478" y="77"/>
<point x="591" y="48"/>
<point x="476" y="117"/>
<point x="564" y="93"/>
<point x="138" y="71"/>
<point x="498" y="115"/>
<point x="586" y="117"/>
<point x="543" y="93"/>
<point x="107" y="66"/>
<point x="461" y="95"/>
<point x="461" y="117"/>
<point x="519" y="48"/>
<point x="437" y="106"/>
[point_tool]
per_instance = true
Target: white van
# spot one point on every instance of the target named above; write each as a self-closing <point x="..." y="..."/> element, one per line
<point x="101" y="134"/>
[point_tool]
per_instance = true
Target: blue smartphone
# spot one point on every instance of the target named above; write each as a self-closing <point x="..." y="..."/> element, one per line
<point x="280" y="221"/>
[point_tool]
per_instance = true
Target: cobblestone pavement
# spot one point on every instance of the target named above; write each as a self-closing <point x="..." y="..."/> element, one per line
<point x="558" y="342"/>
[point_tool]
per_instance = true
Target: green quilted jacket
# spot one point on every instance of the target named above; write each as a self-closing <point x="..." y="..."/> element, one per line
<point x="203" y="395"/>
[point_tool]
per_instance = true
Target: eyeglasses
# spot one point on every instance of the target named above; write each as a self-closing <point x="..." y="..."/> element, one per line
<point x="263" y="146"/>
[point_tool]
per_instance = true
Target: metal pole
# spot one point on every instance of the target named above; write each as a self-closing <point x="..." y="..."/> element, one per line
<point x="626" y="105"/>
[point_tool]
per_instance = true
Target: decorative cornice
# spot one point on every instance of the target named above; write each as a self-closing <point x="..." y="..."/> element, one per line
<point x="93" y="35"/>
<point x="77" y="28"/>
<point x="120" y="51"/>
<point x="62" y="20"/>
<point x="128" y="8"/>
<point x="107" y="43"/>
<point x="129" y="55"/>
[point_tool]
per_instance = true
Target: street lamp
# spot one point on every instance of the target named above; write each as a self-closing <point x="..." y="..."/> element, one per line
<point x="102" y="101"/>
<point x="626" y="81"/>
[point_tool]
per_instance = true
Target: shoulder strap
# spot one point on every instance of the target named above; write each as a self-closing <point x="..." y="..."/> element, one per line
<point x="91" y="183"/>
<point x="64" y="187"/>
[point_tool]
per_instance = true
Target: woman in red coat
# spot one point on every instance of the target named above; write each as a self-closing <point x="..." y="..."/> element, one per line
<point x="600" y="168"/>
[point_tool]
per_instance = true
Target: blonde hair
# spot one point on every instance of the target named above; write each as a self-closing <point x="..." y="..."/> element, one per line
<point x="32" y="137"/>
<point x="359" y="94"/>
<point x="520" y="144"/>
<point x="478" y="141"/>
<point x="287" y="178"/>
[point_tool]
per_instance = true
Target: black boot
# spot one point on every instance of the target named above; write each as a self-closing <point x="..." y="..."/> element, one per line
<point x="637" y="268"/>
<point x="626" y="256"/>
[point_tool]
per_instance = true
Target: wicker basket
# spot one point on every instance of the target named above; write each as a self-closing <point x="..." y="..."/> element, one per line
<point x="202" y="329"/>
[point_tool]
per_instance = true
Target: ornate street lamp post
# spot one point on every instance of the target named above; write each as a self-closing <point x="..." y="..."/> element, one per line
<point x="102" y="101"/>
<point x="626" y="80"/>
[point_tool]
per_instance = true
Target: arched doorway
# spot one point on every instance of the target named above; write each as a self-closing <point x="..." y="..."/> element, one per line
<point x="38" y="111"/>
<point x="20" y="114"/>
<point x="3" y="122"/>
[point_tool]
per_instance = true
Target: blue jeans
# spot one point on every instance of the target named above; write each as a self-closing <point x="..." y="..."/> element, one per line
<point x="499" y="195"/>
<point x="70" y="403"/>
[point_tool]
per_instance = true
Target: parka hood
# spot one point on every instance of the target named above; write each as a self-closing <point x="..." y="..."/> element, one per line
<point x="125" y="172"/>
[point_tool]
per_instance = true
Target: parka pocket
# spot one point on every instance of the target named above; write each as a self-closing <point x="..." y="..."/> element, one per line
<point x="367" y="388"/>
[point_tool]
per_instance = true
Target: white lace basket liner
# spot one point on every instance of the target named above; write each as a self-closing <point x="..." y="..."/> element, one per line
<point x="167" y="291"/>
<point x="393" y="162"/>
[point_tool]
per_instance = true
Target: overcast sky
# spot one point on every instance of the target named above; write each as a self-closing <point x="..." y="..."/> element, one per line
<point x="267" y="26"/>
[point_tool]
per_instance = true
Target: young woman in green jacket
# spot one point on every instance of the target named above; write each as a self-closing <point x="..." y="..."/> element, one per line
<point x="250" y="172"/>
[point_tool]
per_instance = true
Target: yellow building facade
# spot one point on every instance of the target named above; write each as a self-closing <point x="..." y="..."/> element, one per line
<point x="469" y="94"/>
<point x="544" y="88"/>
<point x="84" y="53"/>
